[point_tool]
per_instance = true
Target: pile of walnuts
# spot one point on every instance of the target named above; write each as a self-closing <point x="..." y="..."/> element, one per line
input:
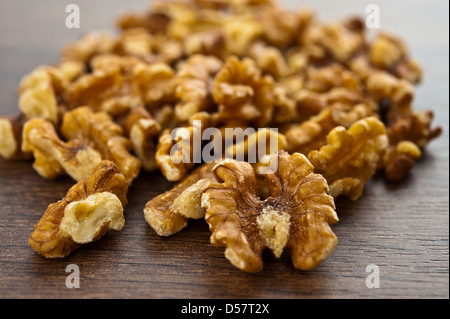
<point x="342" y="104"/>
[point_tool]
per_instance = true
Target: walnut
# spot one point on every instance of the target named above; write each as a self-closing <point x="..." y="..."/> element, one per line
<point x="91" y="208"/>
<point x="296" y="215"/>
<point x="53" y="157"/>
<point x="325" y="79"/>
<point x="169" y="213"/>
<point x="174" y="157"/>
<point x="397" y="93"/>
<point x="193" y="86"/>
<point x="249" y="150"/>
<point x="351" y="157"/>
<point x="269" y="59"/>
<point x="335" y="40"/>
<point x="11" y="137"/>
<point x="137" y="42"/>
<point x="142" y="129"/>
<point x="39" y="93"/>
<point x="210" y="42"/>
<point x="312" y="134"/>
<point x="89" y="46"/>
<point x="240" y="32"/>
<point x="108" y="88"/>
<point x="102" y="134"/>
<point x="154" y="23"/>
<point x="407" y="135"/>
<point x="242" y="92"/>
<point x="399" y="160"/>
<point x="390" y="53"/>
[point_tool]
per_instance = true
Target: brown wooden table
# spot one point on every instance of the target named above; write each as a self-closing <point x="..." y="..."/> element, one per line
<point x="402" y="228"/>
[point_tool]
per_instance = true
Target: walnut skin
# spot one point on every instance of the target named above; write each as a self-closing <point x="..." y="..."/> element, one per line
<point x="91" y="208"/>
<point x="296" y="215"/>
<point x="351" y="157"/>
<point x="169" y="213"/>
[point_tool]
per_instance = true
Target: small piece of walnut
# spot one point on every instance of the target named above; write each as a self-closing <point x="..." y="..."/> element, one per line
<point x="38" y="93"/>
<point x="296" y="215"/>
<point x="142" y="130"/>
<point x="91" y="208"/>
<point x="53" y="157"/>
<point x="351" y="157"/>
<point x="11" y="137"/>
<point x="169" y="213"/>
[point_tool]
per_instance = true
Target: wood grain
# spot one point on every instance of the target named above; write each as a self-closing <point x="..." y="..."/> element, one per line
<point x="402" y="228"/>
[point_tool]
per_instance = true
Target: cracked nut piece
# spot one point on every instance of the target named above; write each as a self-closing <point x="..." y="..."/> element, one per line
<point x="193" y="86"/>
<point x="351" y="157"/>
<point x="296" y="215"/>
<point x="100" y="132"/>
<point x="38" y="93"/>
<point x="169" y="213"/>
<point x="142" y="130"/>
<point x="91" y="208"/>
<point x="399" y="160"/>
<point x="242" y="92"/>
<point x="176" y="150"/>
<point x="53" y="157"/>
<point x="11" y="137"/>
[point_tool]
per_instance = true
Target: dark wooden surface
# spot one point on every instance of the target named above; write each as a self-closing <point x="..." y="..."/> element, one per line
<point x="402" y="228"/>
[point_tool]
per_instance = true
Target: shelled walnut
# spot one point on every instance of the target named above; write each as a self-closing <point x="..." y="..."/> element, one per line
<point x="91" y="208"/>
<point x="142" y="130"/>
<point x="99" y="132"/>
<point x="296" y="215"/>
<point x="351" y="156"/>
<point x="243" y="93"/>
<point x="54" y="157"/>
<point x="11" y="137"/>
<point x="170" y="212"/>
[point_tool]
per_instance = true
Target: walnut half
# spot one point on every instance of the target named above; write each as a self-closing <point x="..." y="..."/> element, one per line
<point x="91" y="208"/>
<point x="296" y="215"/>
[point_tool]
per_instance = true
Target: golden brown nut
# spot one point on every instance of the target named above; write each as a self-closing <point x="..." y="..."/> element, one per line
<point x="240" y="32"/>
<point x="250" y="150"/>
<point x="243" y="93"/>
<point x="399" y="160"/>
<point x="296" y="215"/>
<point x="210" y="42"/>
<point x="142" y="130"/>
<point x="39" y="92"/>
<point x="102" y="134"/>
<point x="53" y="157"/>
<point x="137" y="42"/>
<point x="176" y="149"/>
<point x="351" y="157"/>
<point x="90" y="45"/>
<point x="269" y="59"/>
<point x="193" y="86"/>
<point x="11" y="137"/>
<point x="169" y="213"/>
<point x="91" y="208"/>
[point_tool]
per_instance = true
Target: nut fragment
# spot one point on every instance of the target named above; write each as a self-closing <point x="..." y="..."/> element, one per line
<point x="102" y="134"/>
<point x="296" y="215"/>
<point x="142" y="130"/>
<point x="53" y="157"/>
<point x="350" y="159"/>
<point x="168" y="213"/>
<point x="242" y="92"/>
<point x="11" y="137"/>
<point x="91" y="208"/>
